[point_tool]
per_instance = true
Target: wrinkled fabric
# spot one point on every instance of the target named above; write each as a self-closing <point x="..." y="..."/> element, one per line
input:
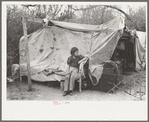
<point x="81" y="67"/>
<point x="142" y="38"/>
<point x="49" y="48"/>
<point x="78" y="27"/>
<point x="140" y="52"/>
<point x="140" y="55"/>
<point x="102" y="49"/>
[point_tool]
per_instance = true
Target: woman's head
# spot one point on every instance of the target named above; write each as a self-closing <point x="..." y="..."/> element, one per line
<point x="74" y="51"/>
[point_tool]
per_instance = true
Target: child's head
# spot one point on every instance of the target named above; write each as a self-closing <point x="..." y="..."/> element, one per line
<point x="74" y="51"/>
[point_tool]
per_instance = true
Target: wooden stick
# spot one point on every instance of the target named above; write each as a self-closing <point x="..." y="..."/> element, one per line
<point x="20" y="77"/>
<point x="20" y="65"/>
<point x="128" y="93"/>
<point x="140" y="90"/>
<point x="80" y="84"/>
<point x="27" y="53"/>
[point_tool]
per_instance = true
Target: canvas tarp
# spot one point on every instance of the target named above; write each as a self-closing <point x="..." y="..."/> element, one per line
<point x="103" y="46"/>
<point x="140" y="50"/>
<point x="142" y="38"/>
<point x="49" y="47"/>
<point x="78" y="27"/>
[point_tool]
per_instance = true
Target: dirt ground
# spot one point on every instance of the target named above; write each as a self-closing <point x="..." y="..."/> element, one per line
<point x="40" y="91"/>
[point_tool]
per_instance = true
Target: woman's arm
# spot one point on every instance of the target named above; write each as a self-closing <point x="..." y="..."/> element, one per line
<point x="81" y="57"/>
<point x="69" y="61"/>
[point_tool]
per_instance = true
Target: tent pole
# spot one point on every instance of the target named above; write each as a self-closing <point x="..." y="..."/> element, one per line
<point x="27" y="53"/>
<point x="134" y="54"/>
<point x="19" y="64"/>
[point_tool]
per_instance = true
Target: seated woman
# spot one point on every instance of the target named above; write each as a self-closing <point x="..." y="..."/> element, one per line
<point x="73" y="71"/>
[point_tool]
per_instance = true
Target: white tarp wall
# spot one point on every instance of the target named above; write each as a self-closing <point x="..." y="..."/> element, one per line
<point x="140" y="50"/>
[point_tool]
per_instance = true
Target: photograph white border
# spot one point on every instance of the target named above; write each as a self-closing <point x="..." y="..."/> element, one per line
<point x="75" y="110"/>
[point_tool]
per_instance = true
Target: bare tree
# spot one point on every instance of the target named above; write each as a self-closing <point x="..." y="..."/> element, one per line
<point x="91" y="7"/>
<point x="138" y="17"/>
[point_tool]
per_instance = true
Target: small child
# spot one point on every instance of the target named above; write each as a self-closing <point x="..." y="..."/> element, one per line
<point x="73" y="71"/>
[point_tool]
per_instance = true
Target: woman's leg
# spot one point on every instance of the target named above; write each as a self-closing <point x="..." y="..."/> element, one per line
<point x="74" y="76"/>
<point x="66" y="82"/>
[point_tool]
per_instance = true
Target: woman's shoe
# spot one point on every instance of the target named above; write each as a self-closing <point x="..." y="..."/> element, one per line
<point x="65" y="93"/>
<point x="70" y="93"/>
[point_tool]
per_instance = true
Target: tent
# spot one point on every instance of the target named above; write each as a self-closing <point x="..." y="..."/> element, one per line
<point x="49" y="48"/>
<point x="140" y="50"/>
<point x="142" y="38"/>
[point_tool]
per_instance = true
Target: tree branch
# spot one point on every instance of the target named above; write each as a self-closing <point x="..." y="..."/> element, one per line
<point x="29" y="5"/>
<point x="108" y="6"/>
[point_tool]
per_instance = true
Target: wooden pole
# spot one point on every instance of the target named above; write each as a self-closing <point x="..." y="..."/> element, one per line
<point x="27" y="53"/>
<point x="19" y="64"/>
